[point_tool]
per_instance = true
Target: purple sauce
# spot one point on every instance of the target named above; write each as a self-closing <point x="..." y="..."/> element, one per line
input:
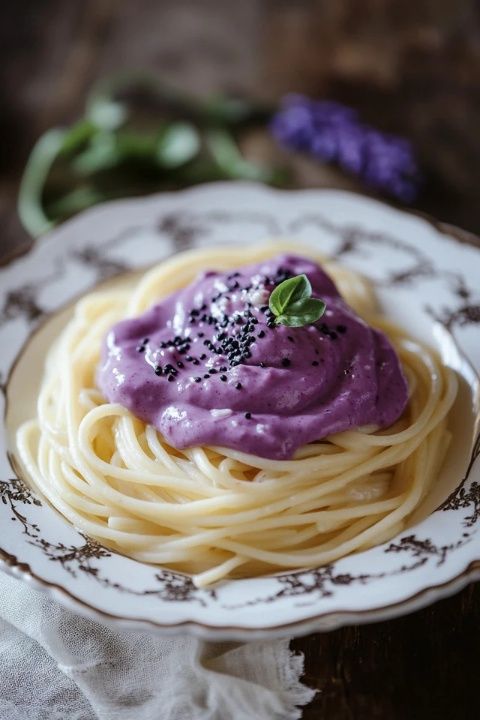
<point x="209" y="366"/>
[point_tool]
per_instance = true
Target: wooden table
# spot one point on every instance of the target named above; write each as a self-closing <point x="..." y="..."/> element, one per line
<point x="415" y="71"/>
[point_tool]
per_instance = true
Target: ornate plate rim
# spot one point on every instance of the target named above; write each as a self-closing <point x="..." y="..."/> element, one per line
<point x="324" y="621"/>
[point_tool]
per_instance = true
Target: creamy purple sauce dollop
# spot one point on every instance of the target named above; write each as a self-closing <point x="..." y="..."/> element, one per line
<point x="209" y="366"/>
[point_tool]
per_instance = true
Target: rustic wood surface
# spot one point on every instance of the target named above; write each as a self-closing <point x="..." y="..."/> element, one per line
<point x="411" y="67"/>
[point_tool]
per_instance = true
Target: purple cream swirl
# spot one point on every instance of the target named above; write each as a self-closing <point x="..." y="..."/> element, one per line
<point x="209" y="366"/>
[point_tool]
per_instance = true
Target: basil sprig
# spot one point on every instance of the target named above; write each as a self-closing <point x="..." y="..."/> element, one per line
<point x="292" y="303"/>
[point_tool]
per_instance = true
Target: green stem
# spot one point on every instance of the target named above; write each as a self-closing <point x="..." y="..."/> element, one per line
<point x="30" y="205"/>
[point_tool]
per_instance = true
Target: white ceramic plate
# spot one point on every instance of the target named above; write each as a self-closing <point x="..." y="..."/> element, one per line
<point x="426" y="279"/>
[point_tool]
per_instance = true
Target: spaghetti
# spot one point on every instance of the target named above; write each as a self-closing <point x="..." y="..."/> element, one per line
<point x="216" y="512"/>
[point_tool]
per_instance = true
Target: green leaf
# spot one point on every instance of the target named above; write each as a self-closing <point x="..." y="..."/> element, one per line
<point x="227" y="156"/>
<point x="101" y="154"/>
<point x="136" y="145"/>
<point x="30" y="205"/>
<point x="178" y="145"/>
<point x="303" y="312"/>
<point x="77" y="136"/>
<point x="292" y="304"/>
<point x="106" y="113"/>
<point x="288" y="292"/>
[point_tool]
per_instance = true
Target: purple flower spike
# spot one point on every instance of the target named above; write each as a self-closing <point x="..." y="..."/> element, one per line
<point x="333" y="133"/>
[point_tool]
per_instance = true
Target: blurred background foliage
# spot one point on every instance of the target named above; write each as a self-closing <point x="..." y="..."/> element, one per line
<point x="408" y="68"/>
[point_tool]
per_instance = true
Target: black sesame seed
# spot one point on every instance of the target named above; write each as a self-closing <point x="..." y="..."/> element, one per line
<point x="262" y="364"/>
<point x="195" y="361"/>
<point x="203" y="356"/>
<point x="206" y="376"/>
<point x="180" y="364"/>
<point x="285" y="362"/>
<point x="158" y="370"/>
<point x="261" y="334"/>
<point x="248" y="415"/>
<point x="170" y="378"/>
<point x="291" y="338"/>
<point x="223" y="378"/>
<point x="212" y="371"/>
<point x="238" y="386"/>
<point x="198" y="379"/>
<point x="201" y="334"/>
<point x="315" y="363"/>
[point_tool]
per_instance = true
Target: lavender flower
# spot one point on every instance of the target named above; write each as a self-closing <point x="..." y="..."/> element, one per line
<point x="333" y="133"/>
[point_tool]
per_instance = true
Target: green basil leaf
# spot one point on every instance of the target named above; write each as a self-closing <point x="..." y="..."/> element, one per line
<point x="307" y="306"/>
<point x="288" y="292"/>
<point x="291" y="320"/>
<point x="292" y="303"/>
<point x="305" y="312"/>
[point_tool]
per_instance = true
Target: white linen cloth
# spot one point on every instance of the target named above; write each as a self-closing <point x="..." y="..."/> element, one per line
<point x="56" y="665"/>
